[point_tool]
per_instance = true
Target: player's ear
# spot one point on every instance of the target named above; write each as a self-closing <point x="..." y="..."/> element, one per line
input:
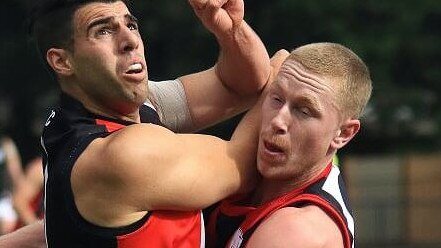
<point x="345" y="133"/>
<point x="59" y="60"/>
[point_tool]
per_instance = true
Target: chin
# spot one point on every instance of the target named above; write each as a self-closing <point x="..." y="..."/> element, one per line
<point x="272" y="172"/>
<point x="266" y="170"/>
<point x="139" y="100"/>
<point x="140" y="94"/>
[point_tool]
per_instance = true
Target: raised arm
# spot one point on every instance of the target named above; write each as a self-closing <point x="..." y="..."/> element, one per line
<point x="145" y="167"/>
<point x="241" y="71"/>
<point x="246" y="134"/>
<point x="243" y="64"/>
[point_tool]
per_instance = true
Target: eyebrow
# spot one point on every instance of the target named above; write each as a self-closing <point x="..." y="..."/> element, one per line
<point x="131" y="18"/>
<point x="311" y="102"/>
<point x="109" y="19"/>
<point x="307" y="100"/>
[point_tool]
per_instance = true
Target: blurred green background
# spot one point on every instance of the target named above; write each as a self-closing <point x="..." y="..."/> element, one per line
<point x="400" y="41"/>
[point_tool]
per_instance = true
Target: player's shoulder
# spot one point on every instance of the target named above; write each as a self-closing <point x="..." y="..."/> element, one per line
<point x="131" y="142"/>
<point x="308" y="226"/>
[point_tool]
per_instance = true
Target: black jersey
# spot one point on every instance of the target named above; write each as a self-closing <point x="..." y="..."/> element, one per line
<point x="67" y="132"/>
<point x="232" y="224"/>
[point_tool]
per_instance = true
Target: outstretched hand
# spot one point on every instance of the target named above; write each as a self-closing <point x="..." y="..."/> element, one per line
<point x="219" y="16"/>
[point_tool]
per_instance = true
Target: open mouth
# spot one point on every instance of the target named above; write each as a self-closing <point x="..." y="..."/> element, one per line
<point x="273" y="147"/>
<point x="135" y="68"/>
<point x="273" y="153"/>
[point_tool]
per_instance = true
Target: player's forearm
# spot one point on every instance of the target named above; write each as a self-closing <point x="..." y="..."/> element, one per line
<point x="13" y="161"/>
<point x="24" y="212"/>
<point x="31" y="236"/>
<point x="243" y="64"/>
<point x="244" y="144"/>
<point x="246" y="133"/>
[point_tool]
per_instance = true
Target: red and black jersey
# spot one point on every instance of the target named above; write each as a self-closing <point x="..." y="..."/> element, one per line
<point x="232" y="224"/>
<point x="69" y="129"/>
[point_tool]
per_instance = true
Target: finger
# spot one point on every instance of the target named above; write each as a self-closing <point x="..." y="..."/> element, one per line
<point x="198" y="4"/>
<point x="205" y="4"/>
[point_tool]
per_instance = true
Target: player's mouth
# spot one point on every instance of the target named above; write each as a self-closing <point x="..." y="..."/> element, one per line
<point x="135" y="72"/>
<point x="273" y="152"/>
<point x="135" y="68"/>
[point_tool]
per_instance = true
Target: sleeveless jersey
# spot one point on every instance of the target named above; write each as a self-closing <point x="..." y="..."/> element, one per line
<point x="69" y="129"/>
<point x="231" y="224"/>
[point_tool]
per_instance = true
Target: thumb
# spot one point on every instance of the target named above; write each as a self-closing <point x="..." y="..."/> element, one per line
<point x="278" y="58"/>
<point x="198" y="4"/>
<point x="276" y="61"/>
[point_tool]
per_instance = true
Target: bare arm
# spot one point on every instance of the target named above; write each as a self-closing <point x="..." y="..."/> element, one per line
<point x="145" y="167"/>
<point x="204" y="169"/>
<point x="27" y="190"/>
<point x="31" y="236"/>
<point x="13" y="161"/>
<point x="121" y="175"/>
<point x="307" y="227"/>
<point x="241" y="71"/>
<point x="247" y="132"/>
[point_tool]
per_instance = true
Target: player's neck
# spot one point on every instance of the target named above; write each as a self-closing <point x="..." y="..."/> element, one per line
<point x="269" y="188"/>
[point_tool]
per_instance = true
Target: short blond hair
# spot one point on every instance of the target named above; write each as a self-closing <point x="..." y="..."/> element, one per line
<point x="341" y="66"/>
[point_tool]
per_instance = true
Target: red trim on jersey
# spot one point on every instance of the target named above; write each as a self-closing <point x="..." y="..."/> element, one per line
<point x="269" y="207"/>
<point x="166" y="229"/>
<point x="228" y="208"/>
<point x="110" y="126"/>
<point x="232" y="209"/>
<point x="296" y="196"/>
<point x="328" y="209"/>
<point x="316" y="200"/>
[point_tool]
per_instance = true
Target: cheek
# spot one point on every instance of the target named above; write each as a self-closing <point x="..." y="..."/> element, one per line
<point x="96" y="52"/>
<point x="141" y="44"/>
<point x="309" y="141"/>
<point x="96" y="64"/>
<point x="267" y="117"/>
